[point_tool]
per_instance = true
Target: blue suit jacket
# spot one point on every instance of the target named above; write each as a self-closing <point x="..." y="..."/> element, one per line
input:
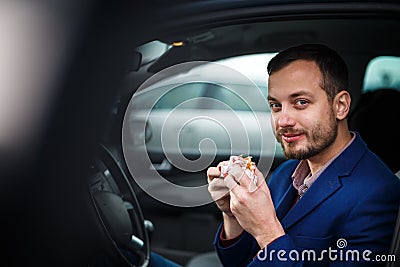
<point x="350" y="208"/>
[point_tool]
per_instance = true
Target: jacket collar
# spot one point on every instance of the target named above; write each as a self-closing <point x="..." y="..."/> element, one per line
<point x="349" y="158"/>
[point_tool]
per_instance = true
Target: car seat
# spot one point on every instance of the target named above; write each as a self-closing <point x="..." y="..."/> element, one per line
<point x="375" y="117"/>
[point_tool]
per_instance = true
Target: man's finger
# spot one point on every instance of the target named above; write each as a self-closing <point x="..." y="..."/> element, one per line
<point x="212" y="173"/>
<point x="257" y="180"/>
<point x="247" y="179"/>
<point x="240" y="175"/>
<point x="225" y="162"/>
<point x="217" y="189"/>
<point x="260" y="176"/>
<point x="230" y="182"/>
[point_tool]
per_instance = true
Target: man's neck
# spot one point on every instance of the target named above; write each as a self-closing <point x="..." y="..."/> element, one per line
<point x="318" y="161"/>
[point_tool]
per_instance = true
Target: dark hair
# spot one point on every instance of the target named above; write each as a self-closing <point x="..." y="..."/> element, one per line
<point x="330" y="63"/>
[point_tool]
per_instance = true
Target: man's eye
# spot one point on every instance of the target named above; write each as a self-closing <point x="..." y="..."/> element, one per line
<point x="301" y="102"/>
<point x="274" y="106"/>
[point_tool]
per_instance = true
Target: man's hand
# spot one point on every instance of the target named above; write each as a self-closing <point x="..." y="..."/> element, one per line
<point x="253" y="210"/>
<point x="220" y="194"/>
<point x="218" y="190"/>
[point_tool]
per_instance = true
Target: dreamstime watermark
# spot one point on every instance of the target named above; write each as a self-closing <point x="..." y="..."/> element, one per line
<point x="170" y="116"/>
<point x="340" y="253"/>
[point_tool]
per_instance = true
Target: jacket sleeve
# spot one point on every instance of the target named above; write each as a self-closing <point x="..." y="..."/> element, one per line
<point x="246" y="248"/>
<point x="238" y="254"/>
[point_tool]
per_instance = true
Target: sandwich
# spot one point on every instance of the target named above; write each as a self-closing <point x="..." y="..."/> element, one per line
<point x="245" y="163"/>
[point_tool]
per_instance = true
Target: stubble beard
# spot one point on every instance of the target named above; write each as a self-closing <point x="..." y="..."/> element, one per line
<point x="319" y="138"/>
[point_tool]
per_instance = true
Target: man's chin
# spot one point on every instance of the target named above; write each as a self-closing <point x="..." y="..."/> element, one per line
<point x="292" y="153"/>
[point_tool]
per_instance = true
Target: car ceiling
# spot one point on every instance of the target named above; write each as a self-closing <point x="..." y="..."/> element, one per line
<point x="367" y="36"/>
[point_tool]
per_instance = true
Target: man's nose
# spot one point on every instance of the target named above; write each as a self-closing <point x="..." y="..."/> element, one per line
<point x="285" y="119"/>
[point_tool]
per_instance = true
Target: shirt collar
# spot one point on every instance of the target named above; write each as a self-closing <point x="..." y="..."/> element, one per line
<point x="302" y="178"/>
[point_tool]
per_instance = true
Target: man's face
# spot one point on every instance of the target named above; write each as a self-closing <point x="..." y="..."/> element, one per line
<point x="302" y="117"/>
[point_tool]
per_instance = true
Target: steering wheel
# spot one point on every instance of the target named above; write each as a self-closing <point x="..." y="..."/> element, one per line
<point x="126" y="241"/>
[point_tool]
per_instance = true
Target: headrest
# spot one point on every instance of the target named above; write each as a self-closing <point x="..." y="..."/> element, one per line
<point x="375" y="117"/>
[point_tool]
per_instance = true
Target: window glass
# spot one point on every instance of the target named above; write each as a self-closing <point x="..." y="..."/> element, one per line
<point x="382" y="72"/>
<point x="197" y="94"/>
<point x="234" y="99"/>
<point x="183" y="96"/>
<point x="229" y="98"/>
<point x="253" y="66"/>
<point x="199" y="102"/>
<point x="203" y="95"/>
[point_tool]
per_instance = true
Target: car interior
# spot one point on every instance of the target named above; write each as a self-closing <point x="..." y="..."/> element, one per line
<point x="86" y="205"/>
<point x="359" y="40"/>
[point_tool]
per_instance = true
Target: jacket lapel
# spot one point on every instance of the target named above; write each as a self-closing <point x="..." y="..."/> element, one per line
<point x="326" y="185"/>
<point x="286" y="202"/>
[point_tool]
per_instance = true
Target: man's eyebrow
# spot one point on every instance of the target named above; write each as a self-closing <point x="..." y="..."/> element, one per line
<point x="293" y="95"/>
<point x="300" y="93"/>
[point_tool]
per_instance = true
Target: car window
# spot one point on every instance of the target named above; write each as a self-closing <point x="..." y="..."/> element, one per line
<point x="382" y="72"/>
<point x="170" y="97"/>
<point x="183" y="96"/>
<point x="204" y="109"/>
<point x="204" y="95"/>
<point x="233" y="99"/>
<point x="226" y="90"/>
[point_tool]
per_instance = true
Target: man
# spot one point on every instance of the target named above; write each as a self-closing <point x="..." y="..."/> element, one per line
<point x="334" y="202"/>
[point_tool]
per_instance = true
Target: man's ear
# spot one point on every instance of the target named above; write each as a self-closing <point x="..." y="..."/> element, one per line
<point x="342" y="103"/>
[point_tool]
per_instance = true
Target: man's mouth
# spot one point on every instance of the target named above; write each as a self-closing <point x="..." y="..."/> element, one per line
<point x="292" y="137"/>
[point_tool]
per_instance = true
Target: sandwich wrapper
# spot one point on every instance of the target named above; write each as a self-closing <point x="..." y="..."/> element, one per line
<point x="235" y="168"/>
